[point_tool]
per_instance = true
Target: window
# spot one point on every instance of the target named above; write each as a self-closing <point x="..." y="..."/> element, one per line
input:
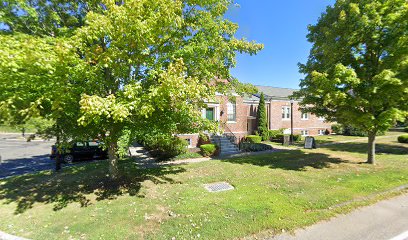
<point x="232" y="112"/>
<point x="320" y="132"/>
<point x="304" y="132"/>
<point x="305" y="116"/>
<point x="321" y="118"/>
<point x="189" y="142"/>
<point x="285" y="112"/>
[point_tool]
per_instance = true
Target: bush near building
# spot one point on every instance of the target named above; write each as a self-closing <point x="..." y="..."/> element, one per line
<point x="272" y="134"/>
<point x="347" y="130"/>
<point x="403" y="138"/>
<point x="279" y="138"/>
<point x="208" y="149"/>
<point x="166" y="148"/>
<point x="203" y="139"/>
<point x="254" y="147"/>
<point x="253" y="139"/>
<point x="262" y="119"/>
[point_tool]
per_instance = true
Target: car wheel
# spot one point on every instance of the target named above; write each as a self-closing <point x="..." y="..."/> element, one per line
<point x="68" y="158"/>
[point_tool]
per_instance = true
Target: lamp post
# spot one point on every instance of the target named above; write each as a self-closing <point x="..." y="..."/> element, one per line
<point x="291" y="121"/>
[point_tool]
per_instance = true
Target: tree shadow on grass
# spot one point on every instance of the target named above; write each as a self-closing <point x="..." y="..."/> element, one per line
<point x="358" y="147"/>
<point x="296" y="160"/>
<point x="80" y="184"/>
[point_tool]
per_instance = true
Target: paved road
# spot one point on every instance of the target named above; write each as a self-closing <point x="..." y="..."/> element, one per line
<point x="386" y="220"/>
<point x="19" y="156"/>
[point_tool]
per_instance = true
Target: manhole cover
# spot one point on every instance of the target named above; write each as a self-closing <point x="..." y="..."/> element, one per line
<point x="218" y="187"/>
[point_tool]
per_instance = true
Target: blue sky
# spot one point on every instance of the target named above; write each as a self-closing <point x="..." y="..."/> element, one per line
<point x="282" y="27"/>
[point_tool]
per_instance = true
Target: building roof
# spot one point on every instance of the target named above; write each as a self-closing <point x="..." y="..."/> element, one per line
<point x="275" y="93"/>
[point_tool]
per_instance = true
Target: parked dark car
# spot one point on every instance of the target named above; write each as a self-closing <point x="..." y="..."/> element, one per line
<point x="80" y="151"/>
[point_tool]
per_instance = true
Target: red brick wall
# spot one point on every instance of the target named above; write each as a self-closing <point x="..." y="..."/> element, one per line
<point x="313" y="124"/>
<point x="274" y="112"/>
<point x="192" y="137"/>
<point x="239" y="127"/>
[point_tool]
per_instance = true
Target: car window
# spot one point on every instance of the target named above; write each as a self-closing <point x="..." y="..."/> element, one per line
<point x="93" y="144"/>
<point x="79" y="144"/>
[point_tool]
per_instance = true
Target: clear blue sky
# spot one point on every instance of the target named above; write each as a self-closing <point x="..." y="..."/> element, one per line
<point x="282" y="27"/>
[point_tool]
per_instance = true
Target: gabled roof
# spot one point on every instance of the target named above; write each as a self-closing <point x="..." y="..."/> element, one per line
<point x="275" y="92"/>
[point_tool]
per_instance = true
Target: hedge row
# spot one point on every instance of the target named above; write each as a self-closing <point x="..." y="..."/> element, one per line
<point x="253" y="139"/>
<point x="255" y="147"/>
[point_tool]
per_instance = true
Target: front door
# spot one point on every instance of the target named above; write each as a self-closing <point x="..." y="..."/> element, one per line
<point x="209" y="114"/>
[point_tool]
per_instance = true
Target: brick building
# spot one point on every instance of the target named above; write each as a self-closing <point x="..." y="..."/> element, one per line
<point x="238" y="117"/>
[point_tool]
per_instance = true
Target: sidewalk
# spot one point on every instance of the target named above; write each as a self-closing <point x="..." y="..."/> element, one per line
<point x="385" y="220"/>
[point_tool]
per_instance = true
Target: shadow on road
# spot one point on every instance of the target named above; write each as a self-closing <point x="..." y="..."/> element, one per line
<point x="12" y="167"/>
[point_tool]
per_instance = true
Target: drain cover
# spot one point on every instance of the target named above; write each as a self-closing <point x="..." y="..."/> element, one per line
<point x="218" y="187"/>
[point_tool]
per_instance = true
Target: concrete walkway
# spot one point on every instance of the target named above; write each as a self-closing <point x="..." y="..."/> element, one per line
<point x="5" y="236"/>
<point x="385" y="220"/>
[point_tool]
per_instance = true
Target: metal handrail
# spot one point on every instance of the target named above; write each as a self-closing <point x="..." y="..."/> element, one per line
<point x="231" y="136"/>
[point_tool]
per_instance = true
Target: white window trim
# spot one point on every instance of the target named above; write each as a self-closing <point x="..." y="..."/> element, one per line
<point x="285" y="113"/>
<point x="320" y="132"/>
<point x="302" y="118"/>
<point x="190" y="142"/>
<point x="305" y="133"/>
<point x="216" y="111"/>
<point x="234" y="109"/>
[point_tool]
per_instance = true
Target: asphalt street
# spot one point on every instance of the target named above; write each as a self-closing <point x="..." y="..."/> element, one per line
<point x="19" y="156"/>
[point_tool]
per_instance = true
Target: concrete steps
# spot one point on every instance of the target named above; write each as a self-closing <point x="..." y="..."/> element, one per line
<point x="227" y="147"/>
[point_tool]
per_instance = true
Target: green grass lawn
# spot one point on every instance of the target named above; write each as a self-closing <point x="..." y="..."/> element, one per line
<point x="275" y="191"/>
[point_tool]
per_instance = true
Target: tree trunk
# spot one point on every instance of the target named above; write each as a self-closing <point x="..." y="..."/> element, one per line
<point x="58" y="151"/>
<point x="371" y="147"/>
<point x="113" y="161"/>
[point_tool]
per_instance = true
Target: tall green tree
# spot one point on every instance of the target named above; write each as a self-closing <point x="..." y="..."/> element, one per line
<point x="357" y="70"/>
<point x="141" y="66"/>
<point x="156" y="60"/>
<point x="50" y="18"/>
<point x="262" y="119"/>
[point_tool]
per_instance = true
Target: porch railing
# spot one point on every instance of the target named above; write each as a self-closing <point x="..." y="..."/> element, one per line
<point x="231" y="136"/>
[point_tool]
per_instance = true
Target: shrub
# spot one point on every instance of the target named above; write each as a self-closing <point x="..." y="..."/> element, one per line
<point x="274" y="133"/>
<point x="262" y="118"/>
<point x="406" y="129"/>
<point x="278" y="138"/>
<point x="297" y="137"/>
<point x="327" y="132"/>
<point x="265" y="135"/>
<point x="203" y="139"/>
<point x="352" y="131"/>
<point x="337" y="128"/>
<point x="348" y="130"/>
<point x="403" y="139"/>
<point x="254" y="147"/>
<point x="165" y="148"/>
<point x="253" y="139"/>
<point x="208" y="149"/>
